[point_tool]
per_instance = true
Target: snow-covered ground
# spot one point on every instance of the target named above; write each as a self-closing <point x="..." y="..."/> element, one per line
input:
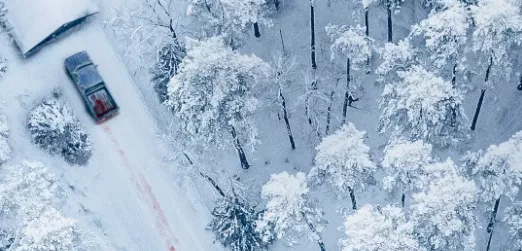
<point x="123" y="197"/>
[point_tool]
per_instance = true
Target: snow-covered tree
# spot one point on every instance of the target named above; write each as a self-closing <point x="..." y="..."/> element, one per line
<point x="344" y="160"/>
<point x="27" y="194"/>
<point x="498" y="169"/>
<point x="513" y="219"/>
<point x="498" y="26"/>
<point x="230" y="18"/>
<point x="404" y="165"/>
<point x="354" y="45"/>
<point x="234" y="225"/>
<point x="443" y="214"/>
<point x="49" y="231"/>
<point x="392" y="7"/>
<point x="5" y="149"/>
<point x="395" y="57"/>
<point x="28" y="187"/>
<point x="374" y="228"/>
<point x="54" y="127"/>
<point x="288" y="209"/>
<point x="423" y="106"/>
<point x="213" y="94"/>
<point x="445" y="33"/>
<point x="167" y="64"/>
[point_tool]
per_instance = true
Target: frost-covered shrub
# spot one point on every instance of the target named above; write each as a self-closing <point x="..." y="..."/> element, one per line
<point x="6" y="238"/>
<point x="498" y="169"/>
<point x="5" y="149"/>
<point x="234" y="225"/>
<point x="54" y="127"/>
<point x="423" y="106"/>
<point x="379" y="228"/>
<point x="443" y="214"/>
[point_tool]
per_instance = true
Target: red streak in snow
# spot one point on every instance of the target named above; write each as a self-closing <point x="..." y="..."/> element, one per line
<point x="145" y="190"/>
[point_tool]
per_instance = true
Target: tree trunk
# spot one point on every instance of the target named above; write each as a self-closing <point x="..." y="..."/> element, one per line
<point x="282" y="41"/>
<point x="212" y="182"/>
<point x="287" y="122"/>
<point x="366" y="15"/>
<point x="277" y="3"/>
<point x="347" y="92"/>
<point x="488" y="70"/>
<point x="390" y="25"/>
<point x="352" y="196"/>
<point x="329" y="112"/>
<point x="312" y="34"/>
<point x="240" y="152"/>
<point x="256" y="30"/>
<point x="492" y="221"/>
<point x="403" y="199"/>
<point x="477" y="110"/>
<point x="312" y="228"/>
<point x="454" y="75"/>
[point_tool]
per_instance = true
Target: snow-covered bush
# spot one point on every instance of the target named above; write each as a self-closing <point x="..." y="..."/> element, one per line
<point x="498" y="169"/>
<point x="49" y="231"/>
<point x="213" y="93"/>
<point x="498" y="26"/>
<point x="288" y="209"/>
<point x="513" y="219"/>
<point x="423" y="106"/>
<point x="373" y="228"/>
<point x="443" y="214"/>
<point x="404" y="165"/>
<point x="54" y="127"/>
<point x="445" y="33"/>
<point x="5" y="149"/>
<point x="234" y="225"/>
<point x="344" y="160"/>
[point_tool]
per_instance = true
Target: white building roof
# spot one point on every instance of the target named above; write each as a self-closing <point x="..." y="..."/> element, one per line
<point x="34" y="22"/>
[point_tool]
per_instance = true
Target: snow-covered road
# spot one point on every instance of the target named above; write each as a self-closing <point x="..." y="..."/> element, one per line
<point x="124" y="195"/>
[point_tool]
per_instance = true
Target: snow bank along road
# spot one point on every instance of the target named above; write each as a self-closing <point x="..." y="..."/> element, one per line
<point x="123" y="195"/>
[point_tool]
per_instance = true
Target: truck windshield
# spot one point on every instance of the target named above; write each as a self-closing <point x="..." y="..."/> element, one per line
<point x="88" y="76"/>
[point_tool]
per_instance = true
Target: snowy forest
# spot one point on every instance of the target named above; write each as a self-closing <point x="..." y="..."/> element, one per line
<point x="358" y="125"/>
<point x="351" y="125"/>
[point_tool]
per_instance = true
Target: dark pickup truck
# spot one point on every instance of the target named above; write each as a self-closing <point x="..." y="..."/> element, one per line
<point x="98" y="100"/>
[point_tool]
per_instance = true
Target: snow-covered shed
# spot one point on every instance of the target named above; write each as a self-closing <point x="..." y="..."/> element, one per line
<point x="32" y="23"/>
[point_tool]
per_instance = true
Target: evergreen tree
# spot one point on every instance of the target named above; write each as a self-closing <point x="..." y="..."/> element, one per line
<point x="234" y="225"/>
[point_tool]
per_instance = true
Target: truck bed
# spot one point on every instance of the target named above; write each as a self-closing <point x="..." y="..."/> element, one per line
<point x="102" y="104"/>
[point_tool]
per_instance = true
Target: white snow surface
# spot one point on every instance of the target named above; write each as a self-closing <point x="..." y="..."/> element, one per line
<point x="124" y="196"/>
<point x="33" y="21"/>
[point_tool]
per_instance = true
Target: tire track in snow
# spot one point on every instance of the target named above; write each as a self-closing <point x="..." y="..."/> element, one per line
<point x="146" y="192"/>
